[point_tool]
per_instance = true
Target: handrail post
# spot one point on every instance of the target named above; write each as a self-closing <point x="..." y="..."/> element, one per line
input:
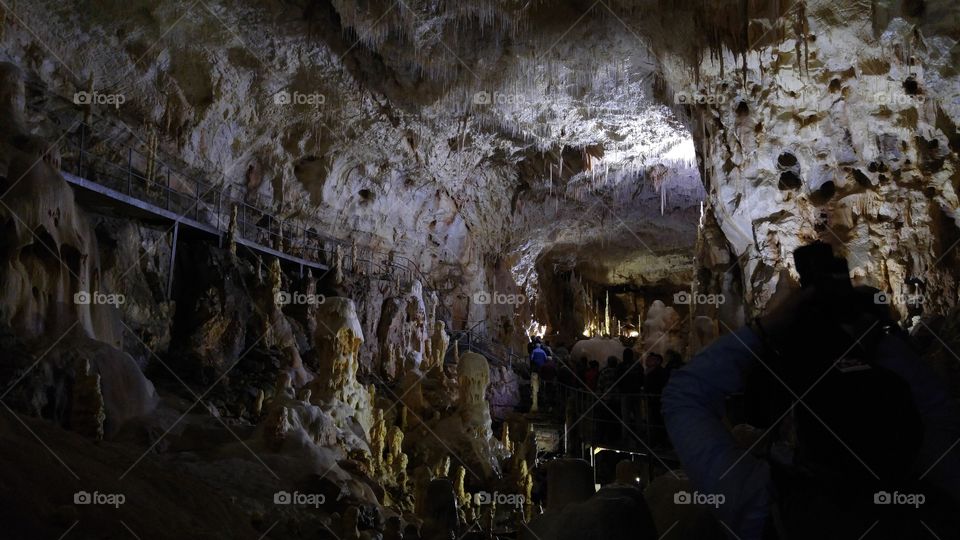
<point x="298" y="240"/>
<point x="219" y="203"/>
<point x="80" y="151"/>
<point x="129" y="171"/>
<point x="173" y="258"/>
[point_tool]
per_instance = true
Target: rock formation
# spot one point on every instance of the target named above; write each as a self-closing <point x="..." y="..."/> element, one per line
<point x="352" y="193"/>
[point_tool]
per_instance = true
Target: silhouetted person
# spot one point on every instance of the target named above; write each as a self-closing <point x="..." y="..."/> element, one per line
<point x="654" y="374"/>
<point x="609" y="376"/>
<point x="548" y="371"/>
<point x="567" y="381"/>
<point x="865" y="422"/>
<point x="565" y="375"/>
<point x="628" y="356"/>
<point x="631" y="388"/>
<point x="654" y="380"/>
<point x="537" y="357"/>
<point x="606" y="390"/>
<point x="548" y="384"/>
<point x="532" y="344"/>
<point x="674" y="360"/>
<point x="631" y="373"/>
<point x="592" y="375"/>
<point x="582" y="366"/>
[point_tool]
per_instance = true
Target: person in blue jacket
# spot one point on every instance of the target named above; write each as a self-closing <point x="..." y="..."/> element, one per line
<point x="864" y="439"/>
<point x="537" y="357"/>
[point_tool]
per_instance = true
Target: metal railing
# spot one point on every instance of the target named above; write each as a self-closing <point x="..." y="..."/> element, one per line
<point x="167" y="182"/>
<point x="474" y="340"/>
<point x="149" y="178"/>
<point x="152" y="179"/>
<point x="626" y="420"/>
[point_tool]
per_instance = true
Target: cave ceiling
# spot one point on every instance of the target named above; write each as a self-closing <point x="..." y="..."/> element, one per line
<point x="452" y="131"/>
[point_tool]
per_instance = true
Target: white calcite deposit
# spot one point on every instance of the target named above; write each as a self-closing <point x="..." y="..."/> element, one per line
<point x="842" y="128"/>
<point x="338" y="338"/>
<point x="597" y="349"/>
<point x="51" y="291"/>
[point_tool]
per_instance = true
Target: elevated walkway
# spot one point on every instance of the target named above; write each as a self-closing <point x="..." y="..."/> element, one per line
<point x="139" y="181"/>
<point x="116" y="202"/>
<point x="122" y="180"/>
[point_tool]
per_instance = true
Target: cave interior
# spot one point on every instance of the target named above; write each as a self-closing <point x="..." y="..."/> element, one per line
<point x="415" y="270"/>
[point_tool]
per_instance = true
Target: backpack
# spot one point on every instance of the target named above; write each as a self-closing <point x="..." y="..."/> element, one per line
<point x="863" y="471"/>
<point x="538" y="356"/>
<point x="806" y="507"/>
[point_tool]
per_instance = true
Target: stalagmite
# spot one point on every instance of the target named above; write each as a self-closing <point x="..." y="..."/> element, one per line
<point x="338" y="337"/>
<point x="338" y="265"/>
<point x="378" y="441"/>
<point x="287" y="215"/>
<point x="87" y="413"/>
<point x="505" y="437"/>
<point x="439" y="341"/>
<point x="463" y="498"/>
<point x="258" y="403"/>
